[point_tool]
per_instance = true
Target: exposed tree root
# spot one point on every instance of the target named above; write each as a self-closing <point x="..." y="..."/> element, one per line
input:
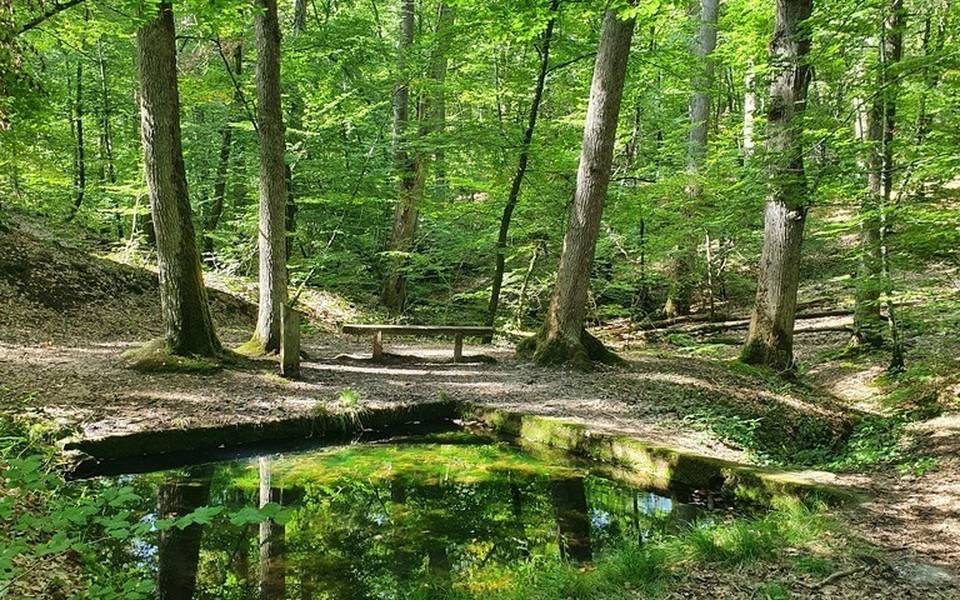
<point x="155" y="357"/>
<point x="580" y="354"/>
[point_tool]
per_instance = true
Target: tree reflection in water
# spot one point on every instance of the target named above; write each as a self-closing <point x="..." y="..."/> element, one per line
<point x="390" y="521"/>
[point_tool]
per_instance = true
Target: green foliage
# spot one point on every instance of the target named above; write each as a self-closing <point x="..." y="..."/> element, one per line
<point x="59" y="532"/>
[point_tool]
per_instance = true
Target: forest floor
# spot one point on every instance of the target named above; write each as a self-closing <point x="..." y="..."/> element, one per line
<point x="66" y="317"/>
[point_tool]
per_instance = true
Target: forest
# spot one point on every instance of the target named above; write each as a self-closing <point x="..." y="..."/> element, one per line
<point x="698" y="262"/>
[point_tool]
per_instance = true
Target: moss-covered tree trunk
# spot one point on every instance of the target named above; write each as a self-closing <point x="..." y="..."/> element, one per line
<point x="186" y="315"/>
<point x="563" y="337"/>
<point x="770" y="339"/>
<point x="271" y="234"/>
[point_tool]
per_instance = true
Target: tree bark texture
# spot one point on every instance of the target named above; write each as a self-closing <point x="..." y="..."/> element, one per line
<point x="521" y="171"/>
<point x="410" y="184"/>
<point x="271" y="234"/>
<point x="563" y="337"/>
<point x="183" y="297"/>
<point x="770" y="339"/>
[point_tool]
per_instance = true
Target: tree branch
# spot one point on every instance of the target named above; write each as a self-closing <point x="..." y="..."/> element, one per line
<point x="56" y="9"/>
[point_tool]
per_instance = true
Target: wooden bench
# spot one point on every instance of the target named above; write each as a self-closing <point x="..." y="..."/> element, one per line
<point x="458" y="332"/>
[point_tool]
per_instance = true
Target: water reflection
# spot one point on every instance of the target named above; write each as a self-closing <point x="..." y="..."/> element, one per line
<point x="178" y="553"/>
<point x="390" y="521"/>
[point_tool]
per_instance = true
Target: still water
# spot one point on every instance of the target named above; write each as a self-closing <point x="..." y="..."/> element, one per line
<point x="387" y="520"/>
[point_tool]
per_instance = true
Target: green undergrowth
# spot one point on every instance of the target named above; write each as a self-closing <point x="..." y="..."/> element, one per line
<point x="883" y="439"/>
<point x="779" y="433"/>
<point x="56" y="538"/>
<point x="52" y="534"/>
<point x="650" y="570"/>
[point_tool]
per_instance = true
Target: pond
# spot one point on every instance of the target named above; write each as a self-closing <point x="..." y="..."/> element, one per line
<point x="424" y="517"/>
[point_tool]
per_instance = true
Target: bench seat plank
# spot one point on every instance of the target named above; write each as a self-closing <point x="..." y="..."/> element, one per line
<point x="425" y="330"/>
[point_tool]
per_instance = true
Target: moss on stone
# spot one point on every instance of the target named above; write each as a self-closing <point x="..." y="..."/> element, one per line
<point x="664" y="467"/>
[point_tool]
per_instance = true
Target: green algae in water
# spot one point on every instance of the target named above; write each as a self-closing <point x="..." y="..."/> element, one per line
<point x="385" y="521"/>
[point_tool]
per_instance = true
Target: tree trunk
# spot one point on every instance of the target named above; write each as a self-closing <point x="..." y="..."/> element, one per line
<point x="394" y="294"/>
<point x="876" y="131"/>
<point x="179" y="550"/>
<point x="273" y="183"/>
<point x="770" y="340"/>
<point x="563" y="337"/>
<point x="106" y="135"/>
<point x="183" y="297"/>
<point x="215" y="211"/>
<point x="521" y="171"/>
<point x="299" y="16"/>
<point x="749" y="109"/>
<point x="868" y="323"/>
<point x="438" y="73"/>
<point x="223" y="166"/>
<point x="679" y="296"/>
<point x="80" y="177"/>
<point x="891" y="54"/>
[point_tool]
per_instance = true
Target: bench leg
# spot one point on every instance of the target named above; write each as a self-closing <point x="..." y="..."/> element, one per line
<point x="458" y="348"/>
<point x="378" y="346"/>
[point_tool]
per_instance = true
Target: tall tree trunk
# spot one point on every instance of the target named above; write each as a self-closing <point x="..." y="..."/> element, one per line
<point x="868" y="322"/>
<point x="106" y="133"/>
<point x="394" y="294"/>
<point x="438" y="73"/>
<point x="770" y="339"/>
<point x="183" y="297"/>
<point x="876" y="133"/>
<point x="80" y="177"/>
<point x="563" y="337"/>
<point x="179" y="550"/>
<point x="521" y="171"/>
<point x="299" y="16"/>
<point x="749" y="110"/>
<point x="223" y="165"/>
<point x="679" y="296"/>
<point x="891" y="54"/>
<point x="273" y="183"/>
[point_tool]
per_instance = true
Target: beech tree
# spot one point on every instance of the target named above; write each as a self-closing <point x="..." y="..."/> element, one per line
<point x="770" y="339"/>
<point x="563" y="337"/>
<point x="681" y="283"/>
<point x="875" y="129"/>
<point x="271" y="233"/>
<point x="409" y="176"/>
<point x="186" y="314"/>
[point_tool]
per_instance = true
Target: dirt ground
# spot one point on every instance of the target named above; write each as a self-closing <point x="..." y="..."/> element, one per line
<point x="61" y="340"/>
